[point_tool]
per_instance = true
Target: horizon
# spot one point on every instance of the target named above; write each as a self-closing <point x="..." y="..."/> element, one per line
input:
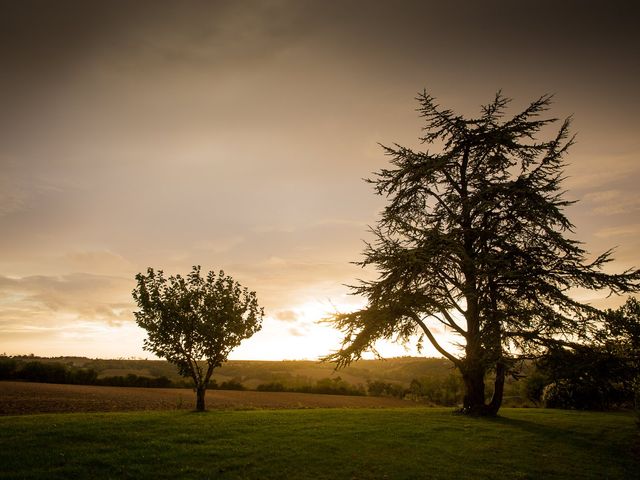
<point x="135" y="359"/>
<point x="236" y="137"/>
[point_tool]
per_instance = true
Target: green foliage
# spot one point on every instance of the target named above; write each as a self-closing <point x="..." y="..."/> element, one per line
<point x="445" y="391"/>
<point x="320" y="444"/>
<point x="326" y="386"/>
<point x="233" y="384"/>
<point x="132" y="380"/>
<point x="271" y="387"/>
<point x="601" y="374"/>
<point x="585" y="378"/>
<point x="474" y="238"/>
<point x="334" y="386"/>
<point x="8" y="366"/>
<point x="534" y="385"/>
<point x="190" y="320"/>
<point x="45" y="372"/>
<point x="377" y="388"/>
<point x="620" y="336"/>
<point x="58" y="372"/>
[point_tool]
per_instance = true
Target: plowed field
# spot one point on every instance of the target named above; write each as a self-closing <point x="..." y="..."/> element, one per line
<point x="27" y="398"/>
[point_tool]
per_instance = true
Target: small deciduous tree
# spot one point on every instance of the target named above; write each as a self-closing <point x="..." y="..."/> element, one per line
<point x="194" y="321"/>
<point x="475" y="238"/>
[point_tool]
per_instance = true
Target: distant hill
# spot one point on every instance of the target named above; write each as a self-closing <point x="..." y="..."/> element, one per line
<point x="291" y="373"/>
<point x="437" y="381"/>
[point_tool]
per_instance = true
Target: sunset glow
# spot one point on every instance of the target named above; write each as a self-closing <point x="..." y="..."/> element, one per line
<point x="235" y="136"/>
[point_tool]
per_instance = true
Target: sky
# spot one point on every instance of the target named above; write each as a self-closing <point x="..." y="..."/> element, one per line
<point x="235" y="135"/>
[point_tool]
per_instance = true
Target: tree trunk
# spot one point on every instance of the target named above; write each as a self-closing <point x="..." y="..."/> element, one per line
<point x="498" y="390"/>
<point x="200" y="391"/>
<point x="473" y="402"/>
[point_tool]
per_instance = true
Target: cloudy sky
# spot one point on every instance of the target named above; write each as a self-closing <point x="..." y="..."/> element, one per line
<point x="235" y="135"/>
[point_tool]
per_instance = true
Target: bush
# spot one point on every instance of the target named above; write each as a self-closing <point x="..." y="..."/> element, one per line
<point x="132" y="380"/>
<point x="326" y="386"/>
<point x="579" y="395"/>
<point x="534" y="385"/>
<point x="385" y="389"/>
<point x="271" y="387"/>
<point x="43" y="372"/>
<point x="8" y="367"/>
<point x="333" y="386"/>
<point x="445" y="391"/>
<point x="586" y="378"/>
<point x="232" y="384"/>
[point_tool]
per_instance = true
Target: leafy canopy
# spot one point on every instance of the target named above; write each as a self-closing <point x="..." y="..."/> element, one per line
<point x="599" y="374"/>
<point x="194" y="318"/>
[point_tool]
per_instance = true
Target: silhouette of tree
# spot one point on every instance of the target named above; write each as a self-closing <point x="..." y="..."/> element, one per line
<point x="195" y="322"/>
<point x="602" y="373"/>
<point x="475" y="238"/>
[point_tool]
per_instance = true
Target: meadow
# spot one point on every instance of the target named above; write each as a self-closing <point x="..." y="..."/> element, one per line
<point x="410" y="443"/>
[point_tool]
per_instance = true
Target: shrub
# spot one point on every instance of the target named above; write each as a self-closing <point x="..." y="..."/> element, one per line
<point x="8" y="367"/>
<point x="233" y="384"/>
<point x="378" y="388"/>
<point x="445" y="391"/>
<point x="271" y="387"/>
<point x="43" y="372"/>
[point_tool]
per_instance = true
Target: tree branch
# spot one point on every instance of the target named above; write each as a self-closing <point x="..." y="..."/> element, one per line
<point x="456" y="361"/>
<point x="451" y="322"/>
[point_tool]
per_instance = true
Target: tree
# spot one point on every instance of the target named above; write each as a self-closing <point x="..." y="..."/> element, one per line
<point x="475" y="238"/>
<point x="194" y="320"/>
<point x="621" y="332"/>
<point x="603" y="372"/>
<point x="622" y="329"/>
<point x="586" y="377"/>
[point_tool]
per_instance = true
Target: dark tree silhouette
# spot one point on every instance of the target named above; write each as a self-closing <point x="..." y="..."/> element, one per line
<point x="475" y="238"/>
<point x="195" y="322"/>
<point x="602" y="373"/>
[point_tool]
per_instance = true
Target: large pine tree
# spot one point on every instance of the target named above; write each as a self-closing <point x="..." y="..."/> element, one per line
<point x="474" y="237"/>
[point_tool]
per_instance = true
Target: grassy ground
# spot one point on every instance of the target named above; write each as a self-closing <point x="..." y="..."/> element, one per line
<point x="320" y="444"/>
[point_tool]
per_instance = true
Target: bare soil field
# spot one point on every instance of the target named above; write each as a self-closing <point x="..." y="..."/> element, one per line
<point x="18" y="398"/>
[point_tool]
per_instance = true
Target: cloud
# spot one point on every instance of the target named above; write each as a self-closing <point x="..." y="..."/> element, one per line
<point x="220" y="244"/>
<point x="45" y="301"/>
<point x="619" y="231"/>
<point x="296" y="332"/>
<point x="286" y="316"/>
<point x="613" y="202"/>
<point x="12" y="196"/>
<point x="102" y="262"/>
<point x="19" y="187"/>
<point x="234" y="135"/>
<point x="603" y="171"/>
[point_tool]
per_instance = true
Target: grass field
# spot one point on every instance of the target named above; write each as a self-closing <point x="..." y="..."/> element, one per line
<point x="320" y="444"/>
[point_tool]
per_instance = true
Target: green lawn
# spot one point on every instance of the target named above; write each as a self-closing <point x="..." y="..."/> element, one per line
<point x="320" y="444"/>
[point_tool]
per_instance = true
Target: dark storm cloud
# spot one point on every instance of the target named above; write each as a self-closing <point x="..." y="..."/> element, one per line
<point x="41" y="36"/>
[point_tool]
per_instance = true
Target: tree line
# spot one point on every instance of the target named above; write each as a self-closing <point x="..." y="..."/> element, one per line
<point x="56" y="372"/>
